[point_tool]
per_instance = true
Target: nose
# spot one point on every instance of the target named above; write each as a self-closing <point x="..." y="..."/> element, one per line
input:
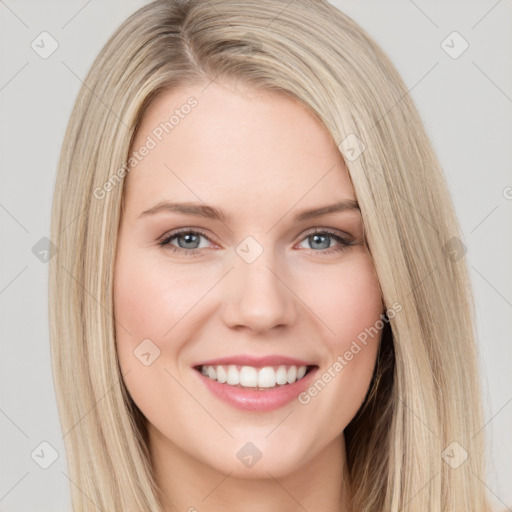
<point x="258" y="297"/>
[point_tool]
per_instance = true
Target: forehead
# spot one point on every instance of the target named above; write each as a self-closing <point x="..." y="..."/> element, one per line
<point x="234" y="141"/>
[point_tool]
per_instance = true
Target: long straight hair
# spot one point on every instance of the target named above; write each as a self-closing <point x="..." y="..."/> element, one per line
<point x="424" y="398"/>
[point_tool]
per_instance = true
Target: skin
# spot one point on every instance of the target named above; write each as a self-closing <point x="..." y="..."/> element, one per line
<point x="261" y="157"/>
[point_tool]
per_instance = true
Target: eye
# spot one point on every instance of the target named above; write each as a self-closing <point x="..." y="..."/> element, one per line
<point x="188" y="241"/>
<point x="319" y="239"/>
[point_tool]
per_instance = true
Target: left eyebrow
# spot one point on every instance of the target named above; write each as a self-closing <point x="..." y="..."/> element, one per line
<point x="341" y="206"/>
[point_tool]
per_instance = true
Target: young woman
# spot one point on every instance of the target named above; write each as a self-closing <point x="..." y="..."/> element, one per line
<point x="259" y="301"/>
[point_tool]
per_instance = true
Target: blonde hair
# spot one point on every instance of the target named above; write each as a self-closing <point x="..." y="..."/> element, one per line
<point x="422" y="398"/>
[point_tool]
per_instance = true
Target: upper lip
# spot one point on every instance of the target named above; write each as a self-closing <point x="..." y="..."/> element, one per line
<point x="257" y="362"/>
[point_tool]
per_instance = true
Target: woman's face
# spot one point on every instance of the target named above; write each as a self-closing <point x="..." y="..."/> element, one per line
<point x="238" y="272"/>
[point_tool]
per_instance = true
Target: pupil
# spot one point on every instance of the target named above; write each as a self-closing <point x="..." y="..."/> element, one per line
<point x="190" y="239"/>
<point x="326" y="241"/>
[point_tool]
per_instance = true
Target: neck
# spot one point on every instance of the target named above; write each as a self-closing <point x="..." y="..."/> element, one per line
<point x="188" y="484"/>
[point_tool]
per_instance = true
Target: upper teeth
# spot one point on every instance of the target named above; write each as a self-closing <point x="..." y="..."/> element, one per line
<point x="251" y="377"/>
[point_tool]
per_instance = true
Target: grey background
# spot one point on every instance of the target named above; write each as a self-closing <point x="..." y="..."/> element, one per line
<point x="466" y="105"/>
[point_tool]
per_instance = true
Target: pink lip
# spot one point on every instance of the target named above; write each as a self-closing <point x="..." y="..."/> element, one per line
<point x="258" y="400"/>
<point x="257" y="362"/>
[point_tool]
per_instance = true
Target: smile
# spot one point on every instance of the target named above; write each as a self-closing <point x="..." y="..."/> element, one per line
<point x="251" y="377"/>
<point x="254" y="389"/>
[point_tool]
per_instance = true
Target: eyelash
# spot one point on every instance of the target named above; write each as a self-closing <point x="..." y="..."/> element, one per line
<point x="165" y="241"/>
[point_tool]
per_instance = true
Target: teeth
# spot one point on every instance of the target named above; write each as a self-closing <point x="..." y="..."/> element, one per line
<point x="266" y="377"/>
<point x="292" y="374"/>
<point x="250" y="377"/>
<point x="222" y="376"/>
<point x="233" y="376"/>
<point x="281" y="375"/>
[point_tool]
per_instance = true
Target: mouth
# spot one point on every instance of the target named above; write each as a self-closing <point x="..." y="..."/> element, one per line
<point x="256" y="388"/>
<point x="255" y="378"/>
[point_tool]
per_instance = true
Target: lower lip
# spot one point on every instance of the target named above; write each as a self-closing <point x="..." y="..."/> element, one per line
<point x="259" y="400"/>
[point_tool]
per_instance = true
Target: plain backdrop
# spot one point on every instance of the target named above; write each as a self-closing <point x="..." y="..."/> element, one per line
<point x="465" y="101"/>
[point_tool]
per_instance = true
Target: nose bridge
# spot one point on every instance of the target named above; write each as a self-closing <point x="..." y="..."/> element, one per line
<point x="258" y="297"/>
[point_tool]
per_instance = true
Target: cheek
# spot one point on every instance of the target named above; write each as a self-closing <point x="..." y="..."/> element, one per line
<point x="348" y="302"/>
<point x="346" y="299"/>
<point x="147" y="305"/>
<point x="143" y="306"/>
<point x="357" y="304"/>
<point x="150" y="300"/>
